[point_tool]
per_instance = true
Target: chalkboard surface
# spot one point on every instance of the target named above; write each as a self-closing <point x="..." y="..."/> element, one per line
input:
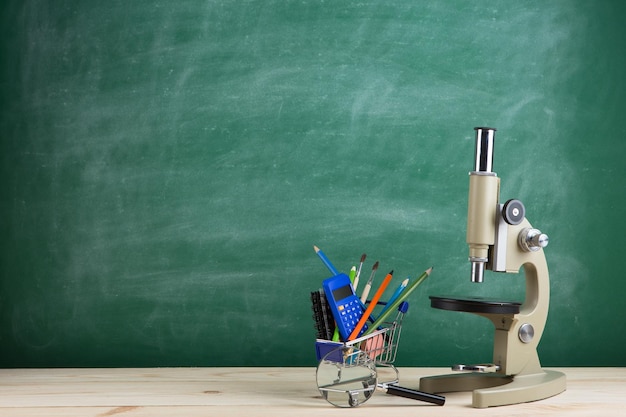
<point x="167" y="168"/>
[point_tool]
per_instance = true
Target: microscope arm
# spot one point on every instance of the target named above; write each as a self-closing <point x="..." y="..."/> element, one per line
<point x="517" y="335"/>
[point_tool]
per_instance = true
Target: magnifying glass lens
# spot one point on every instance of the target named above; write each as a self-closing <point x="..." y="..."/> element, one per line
<point x="346" y="377"/>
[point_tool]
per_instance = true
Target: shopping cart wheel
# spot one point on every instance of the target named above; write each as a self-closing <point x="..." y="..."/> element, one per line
<point x="346" y="377"/>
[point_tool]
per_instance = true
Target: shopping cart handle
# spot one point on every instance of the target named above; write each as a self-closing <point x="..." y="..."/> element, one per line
<point x="414" y="394"/>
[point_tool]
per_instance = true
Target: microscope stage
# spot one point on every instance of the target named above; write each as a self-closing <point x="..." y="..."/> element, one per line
<point x="475" y="305"/>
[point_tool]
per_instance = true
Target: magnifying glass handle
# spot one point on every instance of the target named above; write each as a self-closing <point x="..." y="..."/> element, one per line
<point x="414" y="394"/>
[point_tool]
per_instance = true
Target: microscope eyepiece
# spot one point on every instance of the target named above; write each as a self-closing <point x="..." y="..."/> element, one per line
<point x="484" y="149"/>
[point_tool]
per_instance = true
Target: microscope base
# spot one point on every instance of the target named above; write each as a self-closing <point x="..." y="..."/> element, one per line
<point x="491" y="390"/>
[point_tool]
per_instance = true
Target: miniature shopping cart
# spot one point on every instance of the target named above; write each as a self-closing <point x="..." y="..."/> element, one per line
<point x="348" y="373"/>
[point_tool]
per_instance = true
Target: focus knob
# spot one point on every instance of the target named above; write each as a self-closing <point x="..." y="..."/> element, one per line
<point x="531" y="240"/>
<point x="513" y="212"/>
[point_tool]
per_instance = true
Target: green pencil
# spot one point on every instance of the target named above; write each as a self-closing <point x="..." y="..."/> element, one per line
<point x="394" y="306"/>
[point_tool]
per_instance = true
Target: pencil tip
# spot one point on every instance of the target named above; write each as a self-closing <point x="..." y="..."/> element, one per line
<point x="391" y="272"/>
<point x="429" y="270"/>
<point x="375" y="265"/>
<point x="363" y="257"/>
<point x="316" y="249"/>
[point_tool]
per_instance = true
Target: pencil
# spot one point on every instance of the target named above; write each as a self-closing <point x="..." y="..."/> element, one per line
<point x="394" y="306"/>
<point x="371" y="306"/>
<point x="396" y="294"/>
<point x="326" y="261"/>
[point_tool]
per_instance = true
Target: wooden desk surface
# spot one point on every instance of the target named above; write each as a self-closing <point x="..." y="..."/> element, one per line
<point x="272" y="392"/>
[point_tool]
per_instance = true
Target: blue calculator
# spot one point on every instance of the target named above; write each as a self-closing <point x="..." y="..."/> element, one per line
<point x="346" y="307"/>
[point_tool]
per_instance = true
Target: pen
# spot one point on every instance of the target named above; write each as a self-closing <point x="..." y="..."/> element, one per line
<point x="324" y="259"/>
<point x="371" y="306"/>
<point x="358" y="272"/>
<point x="394" y="306"/>
<point x="368" y="285"/>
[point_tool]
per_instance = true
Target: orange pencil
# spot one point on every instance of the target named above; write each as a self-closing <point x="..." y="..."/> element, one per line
<point x="371" y="307"/>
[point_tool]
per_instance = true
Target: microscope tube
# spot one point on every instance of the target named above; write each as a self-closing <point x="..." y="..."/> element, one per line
<point x="483" y="199"/>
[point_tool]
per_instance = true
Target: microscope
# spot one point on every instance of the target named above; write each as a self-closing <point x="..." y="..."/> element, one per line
<point x="501" y="239"/>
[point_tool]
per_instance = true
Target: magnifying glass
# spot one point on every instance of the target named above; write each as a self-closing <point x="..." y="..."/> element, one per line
<point x="347" y="377"/>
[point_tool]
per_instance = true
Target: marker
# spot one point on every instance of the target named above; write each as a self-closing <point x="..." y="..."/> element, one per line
<point x="336" y="335"/>
<point x="368" y="286"/>
<point x="355" y="284"/>
<point x="371" y="306"/>
<point x="394" y="306"/>
<point x="351" y="275"/>
<point x="324" y="259"/>
<point x="396" y="294"/>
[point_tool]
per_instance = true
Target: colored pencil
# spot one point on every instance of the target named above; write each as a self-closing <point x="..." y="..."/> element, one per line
<point x="371" y="306"/>
<point x="396" y="294"/>
<point x="394" y="306"/>
<point x="326" y="261"/>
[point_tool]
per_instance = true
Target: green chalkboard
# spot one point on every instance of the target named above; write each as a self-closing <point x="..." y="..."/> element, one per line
<point x="167" y="167"/>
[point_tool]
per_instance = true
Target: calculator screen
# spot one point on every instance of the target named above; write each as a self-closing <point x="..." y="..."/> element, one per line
<point x="342" y="292"/>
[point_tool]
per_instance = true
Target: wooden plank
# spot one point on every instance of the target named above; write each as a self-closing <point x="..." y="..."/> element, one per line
<point x="264" y="392"/>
